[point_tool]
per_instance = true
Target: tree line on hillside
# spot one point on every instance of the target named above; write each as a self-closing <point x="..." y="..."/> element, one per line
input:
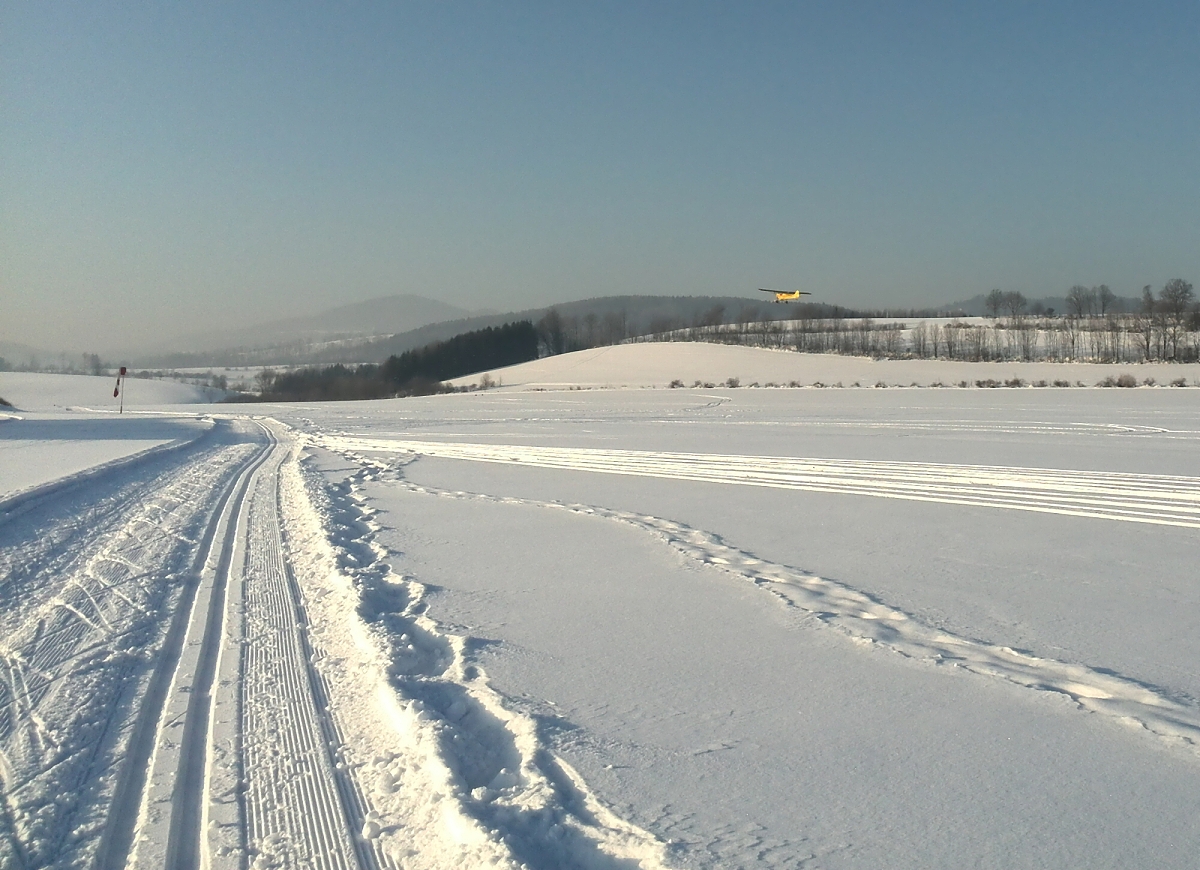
<point x="564" y="333"/>
<point x="413" y="373"/>
<point x="1165" y="328"/>
<point x="490" y="348"/>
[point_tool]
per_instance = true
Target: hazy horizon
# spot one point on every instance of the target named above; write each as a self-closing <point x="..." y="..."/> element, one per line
<point x="169" y="170"/>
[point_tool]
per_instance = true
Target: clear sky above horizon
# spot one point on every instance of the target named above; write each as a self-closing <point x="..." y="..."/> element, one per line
<point x="166" y="168"/>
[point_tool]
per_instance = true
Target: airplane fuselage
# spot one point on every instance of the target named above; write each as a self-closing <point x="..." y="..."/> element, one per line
<point x="787" y="295"/>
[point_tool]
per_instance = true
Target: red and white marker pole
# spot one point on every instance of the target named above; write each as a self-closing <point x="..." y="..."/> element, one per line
<point x="117" y="389"/>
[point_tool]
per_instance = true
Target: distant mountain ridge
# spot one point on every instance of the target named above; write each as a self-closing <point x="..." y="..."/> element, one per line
<point x="386" y="315"/>
<point x="638" y="314"/>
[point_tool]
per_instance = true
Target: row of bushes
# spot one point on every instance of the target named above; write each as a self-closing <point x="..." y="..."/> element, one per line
<point x="1124" y="380"/>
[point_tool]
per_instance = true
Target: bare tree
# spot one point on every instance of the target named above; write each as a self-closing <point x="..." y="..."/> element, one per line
<point x="1014" y="303"/>
<point x="1027" y="333"/>
<point x="747" y="315"/>
<point x="265" y="380"/>
<point x="1104" y="298"/>
<point x="1174" y="301"/>
<point x="920" y="340"/>
<point x="950" y="334"/>
<point x="714" y="316"/>
<point x="977" y="343"/>
<point x="1070" y="335"/>
<point x="865" y="334"/>
<point x="552" y="331"/>
<point x="1146" y="322"/>
<point x="616" y="324"/>
<point x="994" y="301"/>
<point x="1079" y="301"/>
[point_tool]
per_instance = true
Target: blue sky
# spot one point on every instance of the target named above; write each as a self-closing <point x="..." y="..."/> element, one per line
<point x="168" y="167"/>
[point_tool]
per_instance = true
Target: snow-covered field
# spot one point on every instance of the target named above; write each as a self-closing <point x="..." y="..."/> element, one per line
<point x="606" y="628"/>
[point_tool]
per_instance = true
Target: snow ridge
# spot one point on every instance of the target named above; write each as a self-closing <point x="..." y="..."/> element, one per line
<point x="867" y="620"/>
<point x="450" y="773"/>
<point x="21" y="501"/>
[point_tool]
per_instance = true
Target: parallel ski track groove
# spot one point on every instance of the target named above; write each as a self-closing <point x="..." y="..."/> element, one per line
<point x="183" y="843"/>
<point x="354" y="800"/>
<point x="1140" y="498"/>
<point x="300" y="808"/>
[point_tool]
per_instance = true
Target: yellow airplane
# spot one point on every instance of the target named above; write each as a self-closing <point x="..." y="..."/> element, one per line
<point x="787" y="295"/>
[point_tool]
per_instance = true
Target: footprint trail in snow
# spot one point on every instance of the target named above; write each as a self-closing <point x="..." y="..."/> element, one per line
<point x="863" y="618"/>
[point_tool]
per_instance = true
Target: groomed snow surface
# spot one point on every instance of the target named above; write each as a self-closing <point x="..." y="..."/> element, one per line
<point x="604" y="628"/>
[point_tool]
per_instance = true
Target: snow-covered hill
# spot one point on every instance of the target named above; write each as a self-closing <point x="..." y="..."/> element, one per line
<point x="658" y="364"/>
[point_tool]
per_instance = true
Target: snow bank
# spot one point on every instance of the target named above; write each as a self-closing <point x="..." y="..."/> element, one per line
<point x="657" y="365"/>
<point x="55" y="449"/>
<point x="30" y="391"/>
